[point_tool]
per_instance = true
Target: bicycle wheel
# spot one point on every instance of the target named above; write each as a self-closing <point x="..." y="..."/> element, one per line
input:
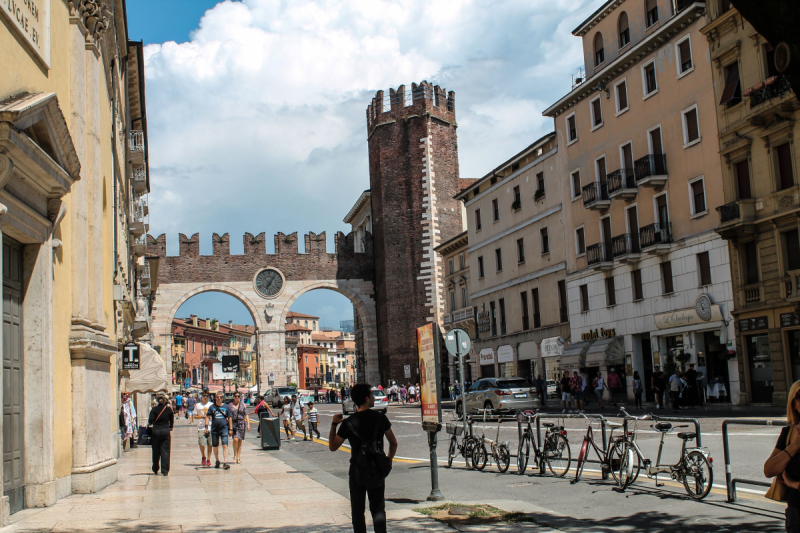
<point x="451" y="453"/>
<point x="582" y="455"/>
<point x="523" y="452"/>
<point x="479" y="456"/>
<point x="503" y="458"/>
<point x="697" y="475"/>
<point x="469" y="447"/>
<point x="628" y="465"/>
<point x="557" y="454"/>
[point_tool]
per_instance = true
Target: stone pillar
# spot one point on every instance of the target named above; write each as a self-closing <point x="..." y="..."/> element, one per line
<point x="92" y="185"/>
<point x="5" y="171"/>
<point x="271" y="354"/>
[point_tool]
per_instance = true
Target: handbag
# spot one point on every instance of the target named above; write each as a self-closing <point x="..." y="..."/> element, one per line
<point x="779" y="492"/>
<point x="144" y="436"/>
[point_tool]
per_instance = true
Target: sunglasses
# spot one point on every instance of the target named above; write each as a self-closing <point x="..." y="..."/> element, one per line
<point x="236" y="396"/>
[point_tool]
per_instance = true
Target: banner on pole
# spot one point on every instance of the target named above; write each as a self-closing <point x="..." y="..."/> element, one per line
<point x="428" y="348"/>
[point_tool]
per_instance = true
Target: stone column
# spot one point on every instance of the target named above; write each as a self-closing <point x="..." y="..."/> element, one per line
<point x="5" y="173"/>
<point x="93" y="186"/>
<point x="271" y="353"/>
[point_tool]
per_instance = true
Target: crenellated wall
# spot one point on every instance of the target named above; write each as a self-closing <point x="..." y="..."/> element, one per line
<point x="315" y="264"/>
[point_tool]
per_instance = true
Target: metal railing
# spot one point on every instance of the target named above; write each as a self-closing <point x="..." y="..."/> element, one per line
<point x="772" y="88"/>
<point x="654" y="234"/>
<point x="625" y="244"/>
<point x="650" y="165"/>
<point x="730" y="481"/>
<point x="594" y="192"/>
<point x="592" y="417"/>
<point x="136" y="141"/>
<point x="752" y="295"/>
<point x="599" y="253"/>
<point x="623" y="178"/>
<point x="729" y="212"/>
<point x="139" y="175"/>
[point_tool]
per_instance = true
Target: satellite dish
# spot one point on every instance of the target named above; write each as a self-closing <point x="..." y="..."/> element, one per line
<point x="782" y="57"/>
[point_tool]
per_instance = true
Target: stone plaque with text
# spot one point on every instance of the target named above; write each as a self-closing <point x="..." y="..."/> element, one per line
<point x="31" y="19"/>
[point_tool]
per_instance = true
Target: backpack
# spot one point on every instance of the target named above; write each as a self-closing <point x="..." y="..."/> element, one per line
<point x="371" y="466"/>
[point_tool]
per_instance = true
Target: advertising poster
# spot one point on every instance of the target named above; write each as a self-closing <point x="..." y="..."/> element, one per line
<point x="428" y="347"/>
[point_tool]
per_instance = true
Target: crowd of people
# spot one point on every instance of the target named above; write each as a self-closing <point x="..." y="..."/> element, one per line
<point x="402" y="394"/>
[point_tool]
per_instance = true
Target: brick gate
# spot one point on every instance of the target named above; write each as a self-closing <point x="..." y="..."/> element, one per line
<point x="346" y="271"/>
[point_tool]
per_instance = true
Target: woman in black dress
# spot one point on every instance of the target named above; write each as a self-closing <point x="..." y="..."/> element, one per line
<point x="784" y="461"/>
<point x="160" y="422"/>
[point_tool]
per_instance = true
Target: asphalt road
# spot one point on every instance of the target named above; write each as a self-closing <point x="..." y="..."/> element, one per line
<point x="643" y="507"/>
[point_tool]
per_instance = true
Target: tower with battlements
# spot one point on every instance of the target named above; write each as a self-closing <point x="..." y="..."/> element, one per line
<point x="413" y="167"/>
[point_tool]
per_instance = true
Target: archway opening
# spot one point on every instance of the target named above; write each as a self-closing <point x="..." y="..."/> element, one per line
<point x="207" y="327"/>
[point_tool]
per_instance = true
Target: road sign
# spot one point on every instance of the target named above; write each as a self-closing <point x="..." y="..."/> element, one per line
<point x="457" y="342"/>
<point x="407" y="370"/>
<point x="130" y="356"/>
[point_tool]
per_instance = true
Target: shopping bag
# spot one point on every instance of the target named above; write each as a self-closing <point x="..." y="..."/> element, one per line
<point x="144" y="436"/>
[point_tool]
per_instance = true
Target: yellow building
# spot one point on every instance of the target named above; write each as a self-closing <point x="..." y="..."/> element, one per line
<point x="66" y="148"/>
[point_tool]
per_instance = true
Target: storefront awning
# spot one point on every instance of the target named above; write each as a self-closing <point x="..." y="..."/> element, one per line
<point x="605" y="352"/>
<point x="152" y="374"/>
<point x="574" y="355"/>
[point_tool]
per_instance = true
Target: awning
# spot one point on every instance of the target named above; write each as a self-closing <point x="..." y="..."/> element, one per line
<point x="605" y="352"/>
<point x="152" y="374"/>
<point x="574" y="355"/>
<point x="527" y="350"/>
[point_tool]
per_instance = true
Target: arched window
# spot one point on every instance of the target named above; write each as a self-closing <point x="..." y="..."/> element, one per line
<point x="651" y="10"/>
<point x="624" y="32"/>
<point x="599" y="55"/>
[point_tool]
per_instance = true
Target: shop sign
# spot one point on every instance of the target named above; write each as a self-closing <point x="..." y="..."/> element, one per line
<point x="487" y="356"/>
<point x="130" y="356"/>
<point x="31" y="19"/>
<point x="598" y="334"/>
<point x="505" y="354"/>
<point x="484" y="321"/>
<point x="789" y="320"/>
<point x="753" y="324"/>
<point x="552" y="347"/>
<point x="686" y="317"/>
<point x="218" y="373"/>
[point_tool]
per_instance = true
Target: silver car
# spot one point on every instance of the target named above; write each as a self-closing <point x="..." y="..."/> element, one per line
<point x="500" y="394"/>
<point x="381" y="403"/>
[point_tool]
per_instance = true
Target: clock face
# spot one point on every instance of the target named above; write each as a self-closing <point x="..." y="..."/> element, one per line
<point x="269" y="282"/>
<point x="703" y="307"/>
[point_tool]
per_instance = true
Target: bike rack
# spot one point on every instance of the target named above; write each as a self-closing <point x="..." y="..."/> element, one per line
<point x="595" y="417"/>
<point x="730" y="481"/>
<point x="657" y="418"/>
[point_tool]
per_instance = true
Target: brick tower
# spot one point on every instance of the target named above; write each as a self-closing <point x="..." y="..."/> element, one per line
<point x="413" y="172"/>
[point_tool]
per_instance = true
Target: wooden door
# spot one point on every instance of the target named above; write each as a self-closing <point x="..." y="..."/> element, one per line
<point x="13" y="428"/>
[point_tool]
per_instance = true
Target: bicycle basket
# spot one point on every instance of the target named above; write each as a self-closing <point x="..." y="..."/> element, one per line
<point x="454" y="428"/>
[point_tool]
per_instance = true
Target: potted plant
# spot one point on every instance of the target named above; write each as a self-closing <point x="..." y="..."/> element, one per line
<point x="516" y="205"/>
<point x="539" y="194"/>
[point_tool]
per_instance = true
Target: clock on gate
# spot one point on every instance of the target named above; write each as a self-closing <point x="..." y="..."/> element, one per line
<point x="268" y="282"/>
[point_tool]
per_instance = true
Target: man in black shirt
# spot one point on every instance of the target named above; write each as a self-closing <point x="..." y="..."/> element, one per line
<point x="364" y="423"/>
<point x="657" y="383"/>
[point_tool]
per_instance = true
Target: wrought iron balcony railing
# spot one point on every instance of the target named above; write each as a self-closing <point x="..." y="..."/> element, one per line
<point x="729" y="212"/>
<point x="599" y="253"/>
<point x="650" y="165"/>
<point x="625" y="244"/>
<point x="621" y="179"/>
<point x="767" y="90"/>
<point x="654" y="234"/>
<point x="594" y="192"/>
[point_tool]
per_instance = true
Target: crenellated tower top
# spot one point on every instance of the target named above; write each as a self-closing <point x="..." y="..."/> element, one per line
<point x="424" y="99"/>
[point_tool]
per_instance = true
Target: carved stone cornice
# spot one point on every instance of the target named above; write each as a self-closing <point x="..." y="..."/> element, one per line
<point x="92" y="16"/>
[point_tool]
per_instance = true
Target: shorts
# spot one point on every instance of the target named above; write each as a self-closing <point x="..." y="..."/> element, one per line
<point x="202" y="439"/>
<point x="219" y="432"/>
<point x="578" y="395"/>
<point x="296" y="425"/>
<point x="566" y="397"/>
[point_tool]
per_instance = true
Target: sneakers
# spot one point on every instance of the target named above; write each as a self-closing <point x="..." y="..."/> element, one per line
<point x="226" y="466"/>
<point x="305" y="439"/>
<point x="563" y="411"/>
<point x="204" y="461"/>
<point x="217" y="465"/>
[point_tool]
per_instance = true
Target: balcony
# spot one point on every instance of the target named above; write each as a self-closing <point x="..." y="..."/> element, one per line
<point x="626" y="247"/>
<point x="622" y="183"/>
<point x="139" y="176"/>
<point x="651" y="170"/>
<point x="139" y="223"/>
<point x="656" y="238"/>
<point x="680" y="5"/>
<point x="595" y="196"/>
<point x="774" y="87"/>
<point x="600" y="256"/>
<point x="736" y="217"/>
<point x="139" y="245"/>
<point x="136" y="146"/>
<point x="144" y="278"/>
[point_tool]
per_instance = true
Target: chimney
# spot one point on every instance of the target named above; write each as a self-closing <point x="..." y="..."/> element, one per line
<point x="208" y="323"/>
<point x="194" y="320"/>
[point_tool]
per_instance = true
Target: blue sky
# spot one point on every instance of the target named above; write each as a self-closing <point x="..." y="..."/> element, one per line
<point x="256" y="108"/>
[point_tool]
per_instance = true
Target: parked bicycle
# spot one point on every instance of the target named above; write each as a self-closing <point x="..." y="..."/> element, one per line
<point x="554" y="452"/>
<point x="465" y="446"/>
<point x="693" y="469"/>
<point x="499" y="451"/>
<point x="609" y="456"/>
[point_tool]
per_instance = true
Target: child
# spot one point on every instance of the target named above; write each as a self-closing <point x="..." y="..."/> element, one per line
<point x="313" y="419"/>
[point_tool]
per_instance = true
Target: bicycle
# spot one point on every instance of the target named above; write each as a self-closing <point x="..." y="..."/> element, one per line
<point x="466" y="445"/>
<point x="554" y="453"/>
<point x="693" y="469"/>
<point x="499" y="450"/>
<point x="610" y="457"/>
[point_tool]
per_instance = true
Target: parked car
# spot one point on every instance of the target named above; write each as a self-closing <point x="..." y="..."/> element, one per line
<point x="552" y="388"/>
<point x="277" y="394"/>
<point x="499" y="394"/>
<point x="381" y="403"/>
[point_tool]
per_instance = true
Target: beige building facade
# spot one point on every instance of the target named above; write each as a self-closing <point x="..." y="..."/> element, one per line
<point x="757" y="114"/>
<point x="517" y="262"/>
<point x="648" y="277"/>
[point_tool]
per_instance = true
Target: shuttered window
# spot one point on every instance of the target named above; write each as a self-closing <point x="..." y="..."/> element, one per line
<point x="636" y="282"/>
<point x="666" y="277"/>
<point x="611" y="294"/>
<point x="704" y="267"/>
<point x="784" y="156"/>
<point x="584" y="298"/>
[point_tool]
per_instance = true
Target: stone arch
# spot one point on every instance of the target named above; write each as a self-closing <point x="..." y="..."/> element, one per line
<point x="213" y="287"/>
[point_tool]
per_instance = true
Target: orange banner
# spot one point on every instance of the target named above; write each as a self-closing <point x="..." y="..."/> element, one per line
<point x="429" y="393"/>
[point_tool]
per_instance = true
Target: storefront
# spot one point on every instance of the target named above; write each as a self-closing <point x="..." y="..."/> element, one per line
<point x="552" y="350"/>
<point x="487" y="359"/>
<point x="505" y="362"/>
<point x="528" y="364"/>
<point x="591" y="356"/>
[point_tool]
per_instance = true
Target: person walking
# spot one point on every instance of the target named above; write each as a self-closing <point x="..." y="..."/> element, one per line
<point x="412" y="394"/>
<point x="179" y="404"/>
<point x="362" y="425"/>
<point x="599" y="386"/>
<point x="312" y="414"/>
<point x="262" y="407"/>
<point x="541" y="388"/>
<point x="285" y="416"/>
<point x="240" y="424"/>
<point x="203" y="427"/>
<point x="637" y="389"/>
<point x="675" y="389"/>
<point x="296" y="416"/>
<point x="403" y="395"/>
<point x="691" y="381"/>
<point x="220" y="418"/>
<point x="657" y="382"/>
<point x="160" y="422"/>
<point x="191" y="401"/>
<point x="576" y="386"/>
<point x="784" y="462"/>
<point x="566" y="393"/>
<point x="613" y="386"/>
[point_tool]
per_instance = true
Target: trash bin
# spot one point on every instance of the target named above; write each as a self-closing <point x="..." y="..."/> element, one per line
<point x="270" y="433"/>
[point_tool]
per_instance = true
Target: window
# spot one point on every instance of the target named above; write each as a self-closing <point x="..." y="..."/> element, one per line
<point x="580" y="241"/>
<point x="599" y="55"/>
<point x="597" y="113"/>
<point x="576" y="184"/>
<point x="732" y="93"/>
<point x="584" y="298"/>
<point x="498" y="257"/>
<point x="792" y="242"/>
<point x="450" y="266"/>
<point x="698" y="195"/>
<point x="666" y="277"/>
<point x="540" y="182"/>
<point x="751" y="262"/>
<point x="514" y="166"/>
<point x="704" y="268"/>
<point x="742" y="170"/>
<point x="624" y="31"/>
<point x="636" y="284"/>
<point x="464" y="300"/>
<point x="649" y="78"/>
<point x="651" y="7"/>
<point x="683" y="53"/>
<point x="562" y="301"/>
<point x="523" y="297"/>
<point x="517" y="198"/>
<point x="496" y="210"/>
<point x="452" y="301"/>
<point x="611" y="294"/>
<point x="783" y="154"/>
<point x="502" y="304"/>
<point x="477" y="220"/>
<point x="480" y="266"/>
<point x="572" y="130"/>
<point x="537" y="317"/>
<point x="520" y="251"/>
<point x="545" y="241"/>
<point x="691" y="129"/>
<point x="461" y="262"/>
<point x="600" y="169"/>
<point x="493" y="180"/>
<point x="621" y="90"/>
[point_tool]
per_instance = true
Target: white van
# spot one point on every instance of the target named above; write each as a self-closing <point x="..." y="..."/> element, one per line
<point x="277" y="395"/>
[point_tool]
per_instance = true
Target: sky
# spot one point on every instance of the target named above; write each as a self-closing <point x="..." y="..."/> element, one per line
<point x="256" y="108"/>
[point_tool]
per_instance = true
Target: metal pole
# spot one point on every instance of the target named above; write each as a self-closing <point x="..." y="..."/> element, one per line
<point x="461" y="373"/>
<point x="435" y="495"/>
<point x="604" y="475"/>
